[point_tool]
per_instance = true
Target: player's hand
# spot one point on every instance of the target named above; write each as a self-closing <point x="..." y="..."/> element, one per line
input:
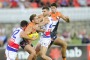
<point x="46" y="18"/>
<point x="34" y="38"/>
<point x="67" y="18"/>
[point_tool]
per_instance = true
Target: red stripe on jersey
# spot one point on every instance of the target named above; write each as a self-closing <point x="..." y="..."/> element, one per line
<point x="13" y="44"/>
<point x="47" y="33"/>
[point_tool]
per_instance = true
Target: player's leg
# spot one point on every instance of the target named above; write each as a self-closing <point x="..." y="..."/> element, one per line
<point x="44" y="46"/>
<point x="10" y="55"/>
<point x="37" y="49"/>
<point x="31" y="51"/>
<point x="38" y="46"/>
<point x="63" y="44"/>
<point x="28" y="47"/>
<point x="43" y="53"/>
<point x="17" y="58"/>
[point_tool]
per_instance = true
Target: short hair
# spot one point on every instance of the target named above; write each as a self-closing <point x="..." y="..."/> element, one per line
<point x="23" y="23"/>
<point x="47" y="8"/>
<point x="54" y="4"/>
<point x="32" y="17"/>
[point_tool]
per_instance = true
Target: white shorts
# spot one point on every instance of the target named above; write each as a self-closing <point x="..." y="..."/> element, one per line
<point x="45" y="41"/>
<point x="11" y="55"/>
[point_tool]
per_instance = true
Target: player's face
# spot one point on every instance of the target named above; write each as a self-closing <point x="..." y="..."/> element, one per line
<point x="35" y="19"/>
<point x="53" y="8"/>
<point x="45" y="12"/>
<point x="24" y="27"/>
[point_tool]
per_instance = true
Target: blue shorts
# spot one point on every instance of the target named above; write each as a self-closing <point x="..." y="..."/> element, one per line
<point x="53" y="36"/>
<point x="24" y="43"/>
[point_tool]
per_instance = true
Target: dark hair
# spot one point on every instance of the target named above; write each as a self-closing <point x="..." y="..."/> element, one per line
<point x="23" y="23"/>
<point x="47" y="8"/>
<point x="54" y="4"/>
<point x="32" y="17"/>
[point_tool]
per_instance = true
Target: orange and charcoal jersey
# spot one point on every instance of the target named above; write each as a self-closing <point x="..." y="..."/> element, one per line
<point x="25" y="42"/>
<point x="55" y="17"/>
<point x="30" y="25"/>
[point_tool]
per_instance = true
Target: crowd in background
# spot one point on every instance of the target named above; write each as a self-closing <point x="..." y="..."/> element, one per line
<point x="82" y="35"/>
<point x="41" y="3"/>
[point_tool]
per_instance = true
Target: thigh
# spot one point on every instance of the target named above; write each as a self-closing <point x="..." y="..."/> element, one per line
<point x="10" y="55"/>
<point x="38" y="46"/>
<point x="43" y="50"/>
<point x="29" y="49"/>
<point x="24" y="43"/>
<point x="46" y="42"/>
<point x="59" y="41"/>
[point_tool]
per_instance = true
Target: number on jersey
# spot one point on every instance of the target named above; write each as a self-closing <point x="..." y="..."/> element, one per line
<point x="15" y="33"/>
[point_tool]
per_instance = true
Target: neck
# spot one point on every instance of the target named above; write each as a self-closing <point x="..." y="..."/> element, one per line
<point x="45" y="15"/>
<point x="54" y="12"/>
<point x="33" y="22"/>
<point x="22" y="28"/>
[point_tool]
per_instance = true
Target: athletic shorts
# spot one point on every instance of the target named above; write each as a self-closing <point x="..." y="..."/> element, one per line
<point x="24" y="43"/>
<point x="45" y="41"/>
<point x="53" y="37"/>
<point x="11" y="55"/>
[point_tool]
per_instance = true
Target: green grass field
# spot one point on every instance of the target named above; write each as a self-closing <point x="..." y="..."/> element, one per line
<point x="73" y="42"/>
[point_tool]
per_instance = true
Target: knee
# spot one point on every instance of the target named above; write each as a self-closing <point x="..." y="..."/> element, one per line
<point x="37" y="50"/>
<point x="33" y="53"/>
<point x="64" y="45"/>
<point x="43" y="56"/>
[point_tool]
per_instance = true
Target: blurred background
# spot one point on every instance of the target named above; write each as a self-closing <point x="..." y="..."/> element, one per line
<point x="76" y="33"/>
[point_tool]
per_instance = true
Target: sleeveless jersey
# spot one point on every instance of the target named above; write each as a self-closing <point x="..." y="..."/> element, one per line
<point x="31" y="25"/>
<point x="55" y="20"/>
<point x="15" y="40"/>
<point x="48" y="28"/>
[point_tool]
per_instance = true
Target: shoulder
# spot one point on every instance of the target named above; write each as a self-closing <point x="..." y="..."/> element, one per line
<point x="58" y="12"/>
<point x="29" y="26"/>
<point x="17" y="29"/>
<point x="41" y="15"/>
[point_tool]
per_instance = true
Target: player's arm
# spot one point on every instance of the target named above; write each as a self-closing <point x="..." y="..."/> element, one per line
<point x="64" y="18"/>
<point x="40" y="18"/>
<point x="24" y="35"/>
<point x="40" y="29"/>
<point x="28" y="30"/>
<point x="44" y="22"/>
<point x="38" y="26"/>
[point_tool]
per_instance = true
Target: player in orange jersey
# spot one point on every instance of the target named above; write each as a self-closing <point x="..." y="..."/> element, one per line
<point x="27" y="44"/>
<point x="56" y="17"/>
<point x="31" y="28"/>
